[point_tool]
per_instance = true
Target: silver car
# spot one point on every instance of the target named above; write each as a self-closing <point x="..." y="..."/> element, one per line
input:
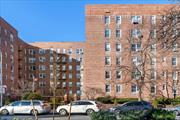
<point x="175" y="109"/>
<point x="26" y="107"/>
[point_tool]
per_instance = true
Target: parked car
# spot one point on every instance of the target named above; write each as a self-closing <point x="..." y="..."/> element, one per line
<point x="26" y="107"/>
<point x="81" y="106"/>
<point x="176" y="109"/>
<point x="134" y="105"/>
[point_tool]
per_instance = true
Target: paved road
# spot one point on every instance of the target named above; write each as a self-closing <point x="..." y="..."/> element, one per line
<point x="43" y="117"/>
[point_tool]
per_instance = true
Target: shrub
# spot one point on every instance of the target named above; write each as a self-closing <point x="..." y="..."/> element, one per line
<point x="103" y="115"/>
<point x="105" y="100"/>
<point x="166" y="101"/>
<point x="159" y="114"/>
<point x="34" y="96"/>
<point x="123" y="100"/>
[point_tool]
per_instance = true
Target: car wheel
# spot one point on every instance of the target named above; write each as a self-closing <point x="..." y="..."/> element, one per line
<point x="62" y="112"/>
<point x="4" y="112"/>
<point x="176" y="112"/>
<point x="33" y="112"/>
<point x="89" y="111"/>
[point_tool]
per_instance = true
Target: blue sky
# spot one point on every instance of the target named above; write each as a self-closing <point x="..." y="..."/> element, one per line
<point x="53" y="20"/>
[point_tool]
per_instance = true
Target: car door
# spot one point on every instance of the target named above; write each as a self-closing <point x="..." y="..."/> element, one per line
<point x="16" y="107"/>
<point x="25" y="107"/>
<point x="75" y="107"/>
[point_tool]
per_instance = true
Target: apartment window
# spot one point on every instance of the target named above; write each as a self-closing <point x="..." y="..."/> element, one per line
<point x="163" y="59"/>
<point x="70" y="67"/>
<point x="64" y="51"/>
<point x="12" y="48"/>
<point x="163" y="74"/>
<point x="153" y="33"/>
<point x="153" y="19"/>
<point x="70" y="75"/>
<point x="136" y="19"/>
<point x="136" y="61"/>
<point x="32" y="51"/>
<point x="175" y="75"/>
<point x="63" y="75"/>
<point x="51" y="67"/>
<point x="107" y="74"/>
<point x="42" y="75"/>
<point x="136" y="33"/>
<point x="136" y="74"/>
<point x="51" y="75"/>
<point x="63" y="67"/>
<point x="70" y="51"/>
<point x="42" y="51"/>
<point x="118" y="60"/>
<point x="118" y="74"/>
<point x="107" y="33"/>
<point x="51" y="59"/>
<point x="78" y="76"/>
<point x="31" y="76"/>
<point x="118" y="47"/>
<point x="63" y="59"/>
<point x="153" y="61"/>
<point x="42" y="84"/>
<point x="58" y="50"/>
<point x="107" y="20"/>
<point x="70" y="84"/>
<point x="175" y="47"/>
<point x="70" y="92"/>
<point x="174" y="61"/>
<point x="107" y="60"/>
<point x="32" y="60"/>
<point x="78" y="84"/>
<point x="78" y="67"/>
<point x="153" y="47"/>
<point x="12" y="59"/>
<point x="12" y="68"/>
<point x="42" y="59"/>
<point x="107" y="47"/>
<point x="42" y="67"/>
<point x="118" y="88"/>
<point x="64" y="84"/>
<point x="136" y="47"/>
<point x="51" y="50"/>
<point x="32" y="67"/>
<point x="118" y="33"/>
<point x="153" y="89"/>
<point x="118" y="20"/>
<point x="70" y="59"/>
<point x="153" y="74"/>
<point x="108" y="88"/>
<point x="134" y="88"/>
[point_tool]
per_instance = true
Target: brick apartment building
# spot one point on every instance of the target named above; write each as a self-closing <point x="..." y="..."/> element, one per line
<point x="92" y="68"/>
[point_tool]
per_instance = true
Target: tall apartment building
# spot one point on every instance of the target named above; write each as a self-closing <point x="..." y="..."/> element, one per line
<point x="107" y="63"/>
<point x="115" y="38"/>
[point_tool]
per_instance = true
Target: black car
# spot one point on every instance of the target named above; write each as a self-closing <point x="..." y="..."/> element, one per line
<point x="130" y="106"/>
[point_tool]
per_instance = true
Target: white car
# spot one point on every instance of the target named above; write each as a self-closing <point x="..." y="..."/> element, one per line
<point x="175" y="109"/>
<point x="26" y="107"/>
<point x="81" y="106"/>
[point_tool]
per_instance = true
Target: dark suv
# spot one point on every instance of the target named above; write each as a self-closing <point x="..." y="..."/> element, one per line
<point x="134" y="105"/>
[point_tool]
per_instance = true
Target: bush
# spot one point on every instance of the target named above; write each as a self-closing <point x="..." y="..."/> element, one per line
<point x="33" y="96"/>
<point x="105" y="100"/>
<point x="155" y="114"/>
<point x="166" y="101"/>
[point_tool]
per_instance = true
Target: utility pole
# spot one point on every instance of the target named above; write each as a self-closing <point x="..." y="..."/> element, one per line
<point x="1" y="82"/>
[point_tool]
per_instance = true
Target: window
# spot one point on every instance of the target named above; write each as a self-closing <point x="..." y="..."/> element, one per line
<point x="42" y="67"/>
<point x="107" y="88"/>
<point x="153" y="89"/>
<point x="51" y="50"/>
<point x="136" y="33"/>
<point x="51" y="59"/>
<point x="78" y="76"/>
<point x="33" y="67"/>
<point x="107" y="60"/>
<point x="78" y="84"/>
<point x="174" y="61"/>
<point x="107" y="33"/>
<point x="107" y="74"/>
<point x="118" y="47"/>
<point x="42" y="75"/>
<point x="42" y="84"/>
<point x="63" y="67"/>
<point x="118" y="74"/>
<point x="25" y="103"/>
<point x="70" y="51"/>
<point x="164" y="86"/>
<point x="51" y="67"/>
<point x="31" y="76"/>
<point x="153" y="61"/>
<point x="51" y="75"/>
<point x="42" y="51"/>
<point x="136" y="61"/>
<point x="70" y="67"/>
<point x="11" y="37"/>
<point x="78" y="67"/>
<point x="175" y="75"/>
<point x="70" y="75"/>
<point x="118" y="33"/>
<point x="153" y="19"/>
<point x="118" y="20"/>
<point x="107" y="20"/>
<point x="17" y="103"/>
<point x="78" y="92"/>
<point x="58" y="50"/>
<point x="32" y="60"/>
<point x="63" y="75"/>
<point x="153" y="33"/>
<point x="70" y="92"/>
<point x="136" y="19"/>
<point x="153" y="74"/>
<point x="12" y="48"/>
<point x="70" y="84"/>
<point x="134" y="88"/>
<point x="63" y="59"/>
<point x="107" y="47"/>
<point x="118" y="88"/>
<point x="32" y="51"/>
<point x="118" y="60"/>
<point x="64" y="84"/>
<point x="136" y="47"/>
<point x="136" y="74"/>
<point x="42" y="59"/>
<point x="153" y="47"/>
<point x="70" y="59"/>
<point x="175" y="47"/>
